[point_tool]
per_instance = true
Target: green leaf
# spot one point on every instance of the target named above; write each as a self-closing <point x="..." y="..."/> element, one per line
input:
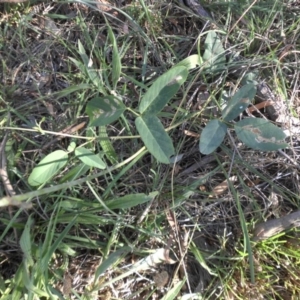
<point x="162" y="90"/>
<point x="48" y="167"/>
<point x="247" y="241"/>
<point x="107" y="146"/>
<point x="250" y="77"/>
<point x="129" y="201"/>
<point x="96" y="79"/>
<point x="44" y="263"/>
<point x="72" y="147"/>
<point x="89" y="158"/>
<point x="190" y="62"/>
<point x="212" y="136"/>
<point x="75" y="172"/>
<point x="155" y="138"/>
<point x="110" y="261"/>
<point x="88" y="64"/>
<point x="214" y="54"/>
<point x="78" y="64"/>
<point x="239" y="102"/>
<point x="71" y="89"/>
<point x="173" y="292"/>
<point x="260" y="134"/>
<point x="25" y="243"/>
<point x="201" y="260"/>
<point x="104" y="110"/>
<point x="116" y="60"/>
<point x="83" y="55"/>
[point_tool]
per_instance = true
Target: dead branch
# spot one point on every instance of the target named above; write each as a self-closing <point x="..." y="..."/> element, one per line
<point x="268" y="229"/>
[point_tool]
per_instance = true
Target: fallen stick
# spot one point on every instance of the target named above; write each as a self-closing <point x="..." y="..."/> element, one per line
<point x="270" y="228"/>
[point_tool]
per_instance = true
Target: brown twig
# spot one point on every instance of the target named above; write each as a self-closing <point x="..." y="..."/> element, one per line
<point x="5" y="179"/>
<point x="4" y="176"/>
<point x="68" y="130"/>
<point x="3" y="173"/>
<point x="204" y="161"/>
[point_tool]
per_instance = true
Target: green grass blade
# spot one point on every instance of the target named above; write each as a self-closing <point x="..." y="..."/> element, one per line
<point x="173" y="292"/>
<point x="107" y="146"/>
<point x="116" y="59"/>
<point x="111" y="260"/>
<point x="49" y="252"/>
<point x="247" y="241"/>
<point x="25" y="243"/>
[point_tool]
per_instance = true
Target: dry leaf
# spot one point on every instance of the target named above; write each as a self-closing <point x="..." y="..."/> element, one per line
<point x="191" y="133"/>
<point x="159" y="256"/>
<point x="106" y="6"/>
<point x="161" y="279"/>
<point x="202" y="188"/>
<point x="67" y="284"/>
<point x="222" y="187"/>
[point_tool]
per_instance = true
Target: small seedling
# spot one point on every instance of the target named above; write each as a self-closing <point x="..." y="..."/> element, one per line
<point x="259" y="134"/>
<point x="256" y="133"/>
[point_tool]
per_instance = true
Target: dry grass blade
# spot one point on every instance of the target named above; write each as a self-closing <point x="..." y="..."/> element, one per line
<point x="223" y="186"/>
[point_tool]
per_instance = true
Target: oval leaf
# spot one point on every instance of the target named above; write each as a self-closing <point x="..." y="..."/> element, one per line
<point x="89" y="158"/>
<point x="250" y="77"/>
<point x="190" y="62"/>
<point x="260" y="134"/>
<point x="155" y="138"/>
<point x="162" y="90"/>
<point x="214" y="54"/>
<point x="239" y="102"/>
<point x="212" y="136"/>
<point x="104" y="110"/>
<point x="48" y="167"/>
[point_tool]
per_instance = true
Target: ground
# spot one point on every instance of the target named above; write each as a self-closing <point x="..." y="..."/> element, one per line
<point x="89" y="212"/>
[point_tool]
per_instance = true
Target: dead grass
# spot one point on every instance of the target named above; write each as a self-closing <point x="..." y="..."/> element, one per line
<point x="196" y="217"/>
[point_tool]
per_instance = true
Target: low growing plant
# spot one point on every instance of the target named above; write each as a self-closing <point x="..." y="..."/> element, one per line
<point x="256" y="133"/>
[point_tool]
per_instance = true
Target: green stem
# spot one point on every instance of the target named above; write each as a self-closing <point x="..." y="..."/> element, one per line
<point x="15" y="200"/>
